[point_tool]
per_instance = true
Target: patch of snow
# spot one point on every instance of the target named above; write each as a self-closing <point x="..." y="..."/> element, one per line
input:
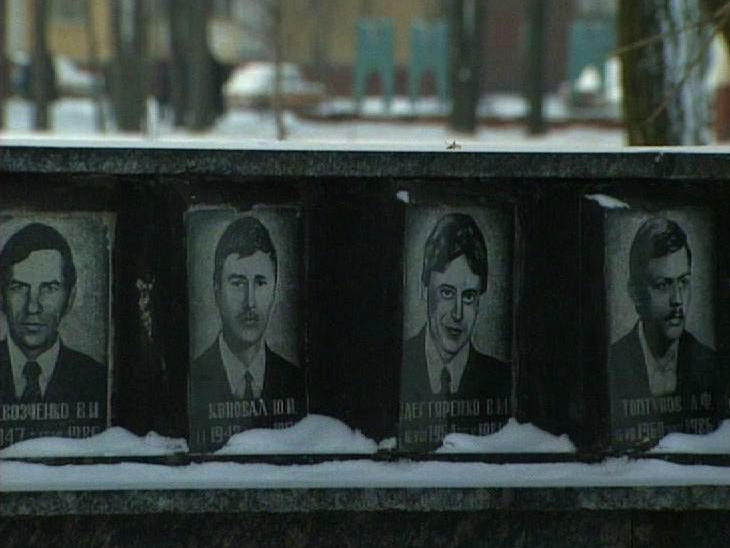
<point x="388" y="444"/>
<point x="505" y="106"/>
<point x="73" y="115"/>
<point x="114" y="442"/>
<point x="70" y="78"/>
<point x="512" y="438"/>
<point x="252" y="129"/>
<point x="717" y="442"/>
<point x="403" y="196"/>
<point x="589" y="80"/>
<point x="608" y="202"/>
<point x="311" y="435"/>
<point x="612" y="79"/>
<point x="20" y="476"/>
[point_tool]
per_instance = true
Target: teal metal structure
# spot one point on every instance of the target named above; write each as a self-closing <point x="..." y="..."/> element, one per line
<point x="375" y="55"/>
<point x="430" y="53"/>
<point x="591" y="42"/>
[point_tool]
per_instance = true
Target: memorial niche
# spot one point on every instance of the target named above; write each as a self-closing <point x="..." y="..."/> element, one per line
<point x="245" y="322"/>
<point x="457" y="323"/>
<point x="55" y="354"/>
<point x="662" y="321"/>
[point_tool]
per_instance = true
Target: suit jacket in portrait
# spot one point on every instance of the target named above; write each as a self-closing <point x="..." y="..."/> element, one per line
<point x="485" y="390"/>
<point x="76" y="378"/>
<point x="209" y="385"/>
<point x="628" y="380"/>
<point x="78" y="381"/>
<point x="483" y="377"/>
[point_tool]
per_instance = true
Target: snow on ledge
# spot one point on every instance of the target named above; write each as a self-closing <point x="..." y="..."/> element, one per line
<point x="717" y="442"/>
<point x="608" y="202"/>
<point x="21" y="476"/>
<point x="114" y="442"/>
<point x="313" y="434"/>
<point x="512" y="438"/>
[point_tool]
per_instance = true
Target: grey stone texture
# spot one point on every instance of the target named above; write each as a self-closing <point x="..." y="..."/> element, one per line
<point x="495" y="529"/>
<point x="139" y="158"/>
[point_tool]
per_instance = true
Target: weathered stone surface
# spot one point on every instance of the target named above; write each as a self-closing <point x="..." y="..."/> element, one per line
<point x="56" y="503"/>
<point x="495" y="529"/>
<point x="662" y="164"/>
<point x="324" y="529"/>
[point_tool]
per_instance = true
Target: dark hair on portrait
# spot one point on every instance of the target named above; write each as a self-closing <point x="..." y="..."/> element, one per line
<point x="455" y="234"/>
<point x="36" y="237"/>
<point x="243" y="237"/>
<point x="655" y="238"/>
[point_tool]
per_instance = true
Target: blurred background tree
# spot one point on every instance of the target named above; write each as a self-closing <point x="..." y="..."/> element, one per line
<point x="665" y="54"/>
<point x="129" y="72"/>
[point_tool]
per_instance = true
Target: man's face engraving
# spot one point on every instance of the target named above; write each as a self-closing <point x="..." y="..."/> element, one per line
<point x="245" y="295"/>
<point x="453" y="305"/>
<point x="35" y="300"/>
<point x="667" y="296"/>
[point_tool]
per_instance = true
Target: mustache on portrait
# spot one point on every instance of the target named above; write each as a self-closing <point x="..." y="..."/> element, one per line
<point x="248" y="317"/>
<point x="676" y="314"/>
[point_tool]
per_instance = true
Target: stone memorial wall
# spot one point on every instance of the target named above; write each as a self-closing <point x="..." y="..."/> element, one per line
<point x="410" y="295"/>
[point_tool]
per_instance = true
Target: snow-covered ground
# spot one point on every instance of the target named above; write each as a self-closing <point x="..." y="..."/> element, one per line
<point x="21" y="476"/>
<point x="318" y="434"/>
<point x="75" y="118"/>
<point x="717" y="442"/>
<point x="116" y="442"/>
<point x="313" y="434"/>
<point x="512" y="438"/>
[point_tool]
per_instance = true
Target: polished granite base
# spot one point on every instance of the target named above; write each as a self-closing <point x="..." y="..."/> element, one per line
<point x="398" y="529"/>
<point x="216" y="501"/>
<point x="631" y="517"/>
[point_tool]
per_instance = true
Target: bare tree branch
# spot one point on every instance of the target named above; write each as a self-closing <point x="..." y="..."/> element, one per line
<point x="692" y="64"/>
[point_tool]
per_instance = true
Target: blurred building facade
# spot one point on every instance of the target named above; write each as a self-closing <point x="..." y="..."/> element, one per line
<point x="320" y="35"/>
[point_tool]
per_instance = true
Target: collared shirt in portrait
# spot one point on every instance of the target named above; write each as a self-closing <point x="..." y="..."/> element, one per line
<point x="236" y="370"/>
<point x="46" y="361"/>
<point x="435" y="364"/>
<point x="662" y="370"/>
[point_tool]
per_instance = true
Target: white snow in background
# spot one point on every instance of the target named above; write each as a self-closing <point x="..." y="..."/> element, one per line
<point x="311" y="435"/>
<point x="75" y="118"/>
<point x="512" y="438"/>
<point x="608" y="202"/>
<point x="717" y="442"/>
<point x="19" y="476"/>
<point x="114" y="442"/>
<point x="403" y="196"/>
<point x="388" y="444"/>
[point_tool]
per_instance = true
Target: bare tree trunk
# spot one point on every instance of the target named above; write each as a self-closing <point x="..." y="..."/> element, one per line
<point x="718" y="11"/>
<point x="535" y="62"/>
<point x="321" y="11"/>
<point x="93" y="60"/>
<point x="202" y="110"/>
<point x="665" y="100"/>
<point x="42" y="72"/>
<point x="467" y="23"/>
<point x="4" y="79"/>
<point x="277" y="99"/>
<point x="179" y="36"/>
<point x="129" y="72"/>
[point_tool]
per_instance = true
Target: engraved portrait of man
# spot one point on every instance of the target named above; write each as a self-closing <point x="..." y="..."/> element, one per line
<point x="441" y="363"/>
<point x="239" y="380"/>
<point x="38" y="288"/>
<point x="661" y="375"/>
